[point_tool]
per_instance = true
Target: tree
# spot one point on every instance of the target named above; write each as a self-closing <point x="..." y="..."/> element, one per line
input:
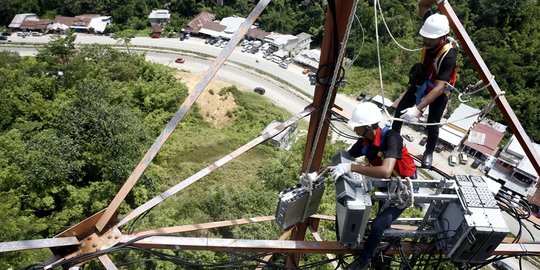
<point x="59" y="50"/>
<point x="125" y="37"/>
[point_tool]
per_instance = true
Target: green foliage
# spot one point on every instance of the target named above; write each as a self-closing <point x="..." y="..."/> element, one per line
<point x="125" y="37"/>
<point x="59" y="50"/>
<point x="68" y="140"/>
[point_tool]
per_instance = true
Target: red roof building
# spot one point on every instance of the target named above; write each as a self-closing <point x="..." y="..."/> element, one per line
<point x="199" y="21"/>
<point x="483" y="141"/>
<point x="40" y="25"/>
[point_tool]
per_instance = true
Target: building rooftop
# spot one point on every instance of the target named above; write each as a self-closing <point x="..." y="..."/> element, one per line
<point x="159" y="14"/>
<point x="464" y="117"/>
<point x="20" y="18"/>
<point x="484" y="139"/>
<point x="200" y="21"/>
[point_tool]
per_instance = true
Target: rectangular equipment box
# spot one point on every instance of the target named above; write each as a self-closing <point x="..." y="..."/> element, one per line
<point x="353" y="205"/>
<point x="293" y="201"/>
<point x="471" y="235"/>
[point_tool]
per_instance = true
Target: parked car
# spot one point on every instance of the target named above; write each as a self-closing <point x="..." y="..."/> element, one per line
<point x="463" y="158"/>
<point x="440" y="147"/>
<point x="452" y="160"/>
<point x="423" y="141"/>
<point x="306" y="71"/>
<point x="155" y="35"/>
<point x="180" y="60"/>
<point x="476" y="163"/>
<point x="408" y="137"/>
<point x="284" y="65"/>
<point x="6" y="34"/>
<point x="3" y="38"/>
<point x="259" y="90"/>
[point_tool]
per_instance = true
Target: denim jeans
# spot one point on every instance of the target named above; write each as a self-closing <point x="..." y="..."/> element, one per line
<point x="382" y="222"/>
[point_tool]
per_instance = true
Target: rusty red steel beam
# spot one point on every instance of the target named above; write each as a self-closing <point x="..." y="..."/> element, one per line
<point x="298" y="247"/>
<point x="319" y="239"/>
<point x="219" y="224"/>
<point x="267" y="258"/>
<point x="200" y="174"/>
<point x="205" y="226"/>
<point x="107" y="263"/>
<point x="493" y="88"/>
<point x="39" y="243"/>
<point x="178" y="115"/>
<point x="334" y="39"/>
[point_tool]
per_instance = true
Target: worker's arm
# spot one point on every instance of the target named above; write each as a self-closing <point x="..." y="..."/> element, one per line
<point x="383" y="171"/>
<point x="424" y="6"/>
<point x="432" y="95"/>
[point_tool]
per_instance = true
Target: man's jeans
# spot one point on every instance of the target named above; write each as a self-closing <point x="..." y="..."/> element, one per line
<point x="382" y="222"/>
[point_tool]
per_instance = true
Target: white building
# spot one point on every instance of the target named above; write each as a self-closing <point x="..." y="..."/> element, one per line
<point x="309" y="58"/>
<point x="100" y="23"/>
<point x="159" y="16"/>
<point x="514" y="168"/>
<point x="458" y="125"/>
<point x="232" y="24"/>
<point x="280" y="42"/>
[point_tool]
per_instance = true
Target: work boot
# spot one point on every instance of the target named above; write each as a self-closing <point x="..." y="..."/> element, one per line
<point x="358" y="264"/>
<point x="427" y="159"/>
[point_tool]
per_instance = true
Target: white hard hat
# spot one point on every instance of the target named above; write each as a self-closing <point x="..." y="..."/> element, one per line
<point x="435" y="26"/>
<point x="365" y="114"/>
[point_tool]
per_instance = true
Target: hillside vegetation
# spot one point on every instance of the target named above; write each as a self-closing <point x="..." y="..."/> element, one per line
<point x="76" y="122"/>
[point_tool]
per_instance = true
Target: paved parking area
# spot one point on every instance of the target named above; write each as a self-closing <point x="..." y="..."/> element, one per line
<point x="440" y="160"/>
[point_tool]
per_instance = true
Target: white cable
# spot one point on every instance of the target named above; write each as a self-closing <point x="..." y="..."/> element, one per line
<point x="483" y="111"/>
<point x="331" y="88"/>
<point x="433" y="124"/>
<point x="379" y="57"/>
<point x="465" y="93"/>
<point x="363" y="39"/>
<point x="390" y="33"/>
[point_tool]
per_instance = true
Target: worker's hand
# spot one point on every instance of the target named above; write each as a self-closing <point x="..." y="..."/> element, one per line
<point x="410" y="114"/>
<point x="341" y="169"/>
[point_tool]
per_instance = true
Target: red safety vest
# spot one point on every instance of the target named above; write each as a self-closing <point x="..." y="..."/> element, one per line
<point x="404" y="167"/>
<point x="432" y="63"/>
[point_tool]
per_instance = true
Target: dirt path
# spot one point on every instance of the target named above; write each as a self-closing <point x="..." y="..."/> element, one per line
<point x="214" y="106"/>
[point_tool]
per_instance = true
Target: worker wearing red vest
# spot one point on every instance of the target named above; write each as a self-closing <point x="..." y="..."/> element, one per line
<point x="387" y="156"/>
<point x="430" y="81"/>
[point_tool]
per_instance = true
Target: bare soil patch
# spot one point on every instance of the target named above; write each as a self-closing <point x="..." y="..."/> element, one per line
<point x="214" y="107"/>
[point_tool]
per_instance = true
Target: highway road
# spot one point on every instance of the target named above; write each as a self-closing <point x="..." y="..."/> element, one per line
<point x="293" y="75"/>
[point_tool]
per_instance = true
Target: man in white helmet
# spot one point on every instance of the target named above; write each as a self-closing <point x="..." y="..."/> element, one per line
<point x="387" y="156"/>
<point x="431" y="80"/>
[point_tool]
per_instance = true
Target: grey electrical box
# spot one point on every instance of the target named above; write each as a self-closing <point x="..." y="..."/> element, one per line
<point x="353" y="205"/>
<point x="471" y="233"/>
<point x="293" y="203"/>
